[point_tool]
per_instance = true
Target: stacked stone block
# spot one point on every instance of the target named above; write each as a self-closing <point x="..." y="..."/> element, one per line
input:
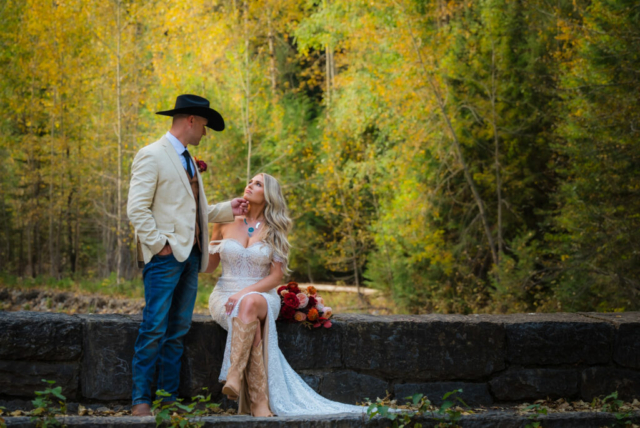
<point x="492" y="358"/>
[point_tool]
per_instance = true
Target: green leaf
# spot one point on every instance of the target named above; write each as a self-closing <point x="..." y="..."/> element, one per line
<point x="416" y="398"/>
<point x="462" y="401"/>
<point x="58" y="393"/>
<point x="446" y="405"/>
<point x="184" y="407"/>
<point x="448" y="394"/>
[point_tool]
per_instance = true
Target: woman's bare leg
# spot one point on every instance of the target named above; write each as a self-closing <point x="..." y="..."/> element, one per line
<point x="254" y="307"/>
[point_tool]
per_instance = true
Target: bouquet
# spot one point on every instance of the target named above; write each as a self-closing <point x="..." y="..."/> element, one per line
<point x="305" y="307"/>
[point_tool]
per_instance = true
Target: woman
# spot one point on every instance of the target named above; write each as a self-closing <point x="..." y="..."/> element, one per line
<point x="254" y="251"/>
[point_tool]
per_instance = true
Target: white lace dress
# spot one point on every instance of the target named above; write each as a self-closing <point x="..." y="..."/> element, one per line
<point x="243" y="267"/>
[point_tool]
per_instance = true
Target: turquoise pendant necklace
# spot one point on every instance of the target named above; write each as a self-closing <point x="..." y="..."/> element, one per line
<point x="250" y="230"/>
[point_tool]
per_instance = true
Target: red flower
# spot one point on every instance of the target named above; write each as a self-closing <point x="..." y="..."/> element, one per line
<point x="287" y="313"/>
<point x="293" y="287"/>
<point x="202" y="165"/>
<point x="312" y="302"/>
<point x="291" y="300"/>
<point x="284" y="287"/>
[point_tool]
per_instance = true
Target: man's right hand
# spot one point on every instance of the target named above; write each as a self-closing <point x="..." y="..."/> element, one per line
<point x="166" y="250"/>
<point x="239" y="206"/>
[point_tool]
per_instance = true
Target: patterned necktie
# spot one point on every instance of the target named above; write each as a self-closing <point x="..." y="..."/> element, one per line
<point x="188" y="159"/>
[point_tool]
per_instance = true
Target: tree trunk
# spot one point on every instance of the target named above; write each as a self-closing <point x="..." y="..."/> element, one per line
<point x="38" y="250"/>
<point x="272" y="57"/>
<point x="119" y="132"/>
<point x="352" y="239"/>
<point x="458" y="148"/>
<point x="76" y="244"/>
<point x="494" y="123"/>
<point x="60" y="267"/>
<point x="29" y="269"/>
<point x="52" y="253"/>
<point x="21" y="268"/>
<point x="70" y="246"/>
<point x="329" y="70"/>
<point x="5" y="253"/>
<point x="247" y="89"/>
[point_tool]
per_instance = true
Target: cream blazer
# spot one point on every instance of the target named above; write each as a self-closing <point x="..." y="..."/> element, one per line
<point x="162" y="207"/>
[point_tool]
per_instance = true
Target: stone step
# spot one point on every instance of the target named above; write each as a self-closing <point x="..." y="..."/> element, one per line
<point x="489" y="419"/>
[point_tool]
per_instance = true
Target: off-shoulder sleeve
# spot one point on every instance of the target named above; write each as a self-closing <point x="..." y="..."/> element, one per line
<point x="215" y="247"/>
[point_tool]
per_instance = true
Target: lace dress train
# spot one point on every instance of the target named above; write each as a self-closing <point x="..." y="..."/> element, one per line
<point x="288" y="393"/>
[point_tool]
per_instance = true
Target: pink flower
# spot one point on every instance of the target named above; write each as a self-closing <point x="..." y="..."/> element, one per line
<point x="319" y="307"/>
<point x="299" y="316"/>
<point x="327" y="312"/>
<point x="320" y="299"/>
<point x="304" y="300"/>
<point x="284" y="292"/>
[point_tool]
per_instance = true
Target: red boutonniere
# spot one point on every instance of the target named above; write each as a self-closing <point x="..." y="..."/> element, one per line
<point x="202" y="165"/>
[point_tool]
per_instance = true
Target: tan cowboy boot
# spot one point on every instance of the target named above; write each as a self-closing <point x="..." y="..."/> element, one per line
<point x="243" y="336"/>
<point x="257" y="382"/>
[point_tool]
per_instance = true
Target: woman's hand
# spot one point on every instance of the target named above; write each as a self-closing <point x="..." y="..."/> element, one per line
<point x="233" y="301"/>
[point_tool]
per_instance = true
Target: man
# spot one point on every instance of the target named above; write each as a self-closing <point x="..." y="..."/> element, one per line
<point x="168" y="209"/>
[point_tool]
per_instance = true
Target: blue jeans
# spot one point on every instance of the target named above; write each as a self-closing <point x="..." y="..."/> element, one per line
<point x="170" y="289"/>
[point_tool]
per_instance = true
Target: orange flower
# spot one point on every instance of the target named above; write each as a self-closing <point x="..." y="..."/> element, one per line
<point x="299" y="316"/>
<point x="313" y="314"/>
<point x="311" y="290"/>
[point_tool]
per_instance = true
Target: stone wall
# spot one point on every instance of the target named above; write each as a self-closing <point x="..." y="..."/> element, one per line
<point x="493" y="358"/>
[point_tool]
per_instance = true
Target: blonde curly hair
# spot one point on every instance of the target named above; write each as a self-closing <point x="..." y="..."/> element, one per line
<point x="277" y="220"/>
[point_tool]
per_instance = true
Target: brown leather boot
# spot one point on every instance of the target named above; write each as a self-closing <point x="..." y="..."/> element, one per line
<point x="241" y="340"/>
<point x="257" y="381"/>
<point x="142" y="409"/>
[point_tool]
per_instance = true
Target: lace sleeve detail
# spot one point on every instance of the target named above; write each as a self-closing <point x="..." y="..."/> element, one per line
<point x="215" y="247"/>
<point x="277" y="259"/>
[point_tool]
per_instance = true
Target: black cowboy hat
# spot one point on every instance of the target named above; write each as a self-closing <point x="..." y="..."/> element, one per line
<point x="198" y="106"/>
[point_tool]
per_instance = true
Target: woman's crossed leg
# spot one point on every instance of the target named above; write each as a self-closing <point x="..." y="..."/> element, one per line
<point x="254" y="308"/>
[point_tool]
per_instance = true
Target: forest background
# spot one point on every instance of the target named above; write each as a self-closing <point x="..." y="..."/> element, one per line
<point x="462" y="156"/>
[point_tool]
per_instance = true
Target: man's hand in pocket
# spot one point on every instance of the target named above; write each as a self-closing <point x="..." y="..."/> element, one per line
<point x="166" y="250"/>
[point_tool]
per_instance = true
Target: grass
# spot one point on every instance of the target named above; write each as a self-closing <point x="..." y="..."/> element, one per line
<point x="108" y="286"/>
<point x="340" y="302"/>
